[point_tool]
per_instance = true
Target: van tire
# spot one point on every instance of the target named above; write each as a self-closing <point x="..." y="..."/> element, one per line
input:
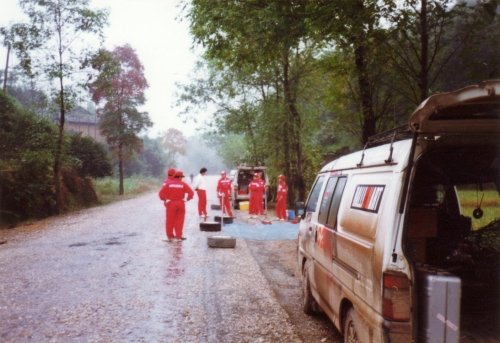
<point x="210" y="226"/>
<point x="221" y="242"/>
<point x="308" y="302"/>
<point x="215" y="207"/>
<point x="351" y="331"/>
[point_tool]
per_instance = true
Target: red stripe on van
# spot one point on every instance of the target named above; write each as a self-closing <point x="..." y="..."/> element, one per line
<point x="368" y="197"/>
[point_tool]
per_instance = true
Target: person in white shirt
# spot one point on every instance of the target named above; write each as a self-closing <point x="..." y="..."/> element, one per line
<point x="200" y="186"/>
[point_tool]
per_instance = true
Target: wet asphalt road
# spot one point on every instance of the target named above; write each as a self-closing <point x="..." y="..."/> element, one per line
<point x="106" y="275"/>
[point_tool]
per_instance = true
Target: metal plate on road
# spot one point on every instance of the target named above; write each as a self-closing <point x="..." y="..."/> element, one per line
<point x="275" y="231"/>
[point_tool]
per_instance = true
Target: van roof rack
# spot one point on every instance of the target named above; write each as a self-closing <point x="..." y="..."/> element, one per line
<point x="393" y="135"/>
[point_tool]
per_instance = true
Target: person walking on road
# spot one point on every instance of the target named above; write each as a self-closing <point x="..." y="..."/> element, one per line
<point x="224" y="187"/>
<point x="257" y="188"/>
<point x="173" y="193"/>
<point x="200" y="186"/>
<point x="281" y="195"/>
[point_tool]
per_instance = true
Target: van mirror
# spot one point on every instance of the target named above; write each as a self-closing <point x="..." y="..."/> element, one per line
<point x="300" y="209"/>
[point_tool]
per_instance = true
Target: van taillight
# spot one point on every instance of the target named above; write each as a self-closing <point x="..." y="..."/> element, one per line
<point x="396" y="297"/>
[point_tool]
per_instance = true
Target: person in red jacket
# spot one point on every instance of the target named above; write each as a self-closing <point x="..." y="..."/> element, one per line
<point x="256" y="187"/>
<point x="281" y="194"/>
<point x="170" y="174"/>
<point x="224" y="186"/>
<point x="173" y="193"/>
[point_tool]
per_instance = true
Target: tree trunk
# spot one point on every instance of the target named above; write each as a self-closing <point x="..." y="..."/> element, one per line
<point x="5" y="72"/>
<point x="297" y="184"/>
<point x="365" y="93"/>
<point x="423" y="80"/>
<point x="120" y="169"/>
<point x="59" y="148"/>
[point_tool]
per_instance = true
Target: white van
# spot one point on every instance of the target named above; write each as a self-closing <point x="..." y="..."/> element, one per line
<point x="384" y="247"/>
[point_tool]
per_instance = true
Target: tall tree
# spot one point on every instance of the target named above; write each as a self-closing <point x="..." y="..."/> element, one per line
<point x="54" y="49"/>
<point x="429" y="35"/>
<point x="118" y="91"/>
<point x="260" y="46"/>
<point x="174" y="142"/>
<point x="21" y="38"/>
<point x="150" y="161"/>
<point x="354" y="27"/>
<point x="478" y="57"/>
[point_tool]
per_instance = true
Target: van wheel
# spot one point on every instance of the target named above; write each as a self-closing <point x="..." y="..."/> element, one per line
<point x="308" y="302"/>
<point x="215" y="207"/>
<point x="350" y="327"/>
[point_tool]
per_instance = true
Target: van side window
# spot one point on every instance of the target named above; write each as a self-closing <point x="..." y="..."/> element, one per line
<point x="314" y="196"/>
<point x="334" y="207"/>
<point x="367" y="197"/>
<point x="327" y="199"/>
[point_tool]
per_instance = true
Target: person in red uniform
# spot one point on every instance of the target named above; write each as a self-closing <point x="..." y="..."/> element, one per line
<point x="173" y="193"/>
<point x="224" y="186"/>
<point x="256" y="187"/>
<point x="170" y="174"/>
<point x="281" y="194"/>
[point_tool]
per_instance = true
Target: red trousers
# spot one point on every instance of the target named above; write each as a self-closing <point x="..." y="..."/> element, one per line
<point x="281" y="208"/>
<point x="225" y="205"/>
<point x="255" y="203"/>
<point x="202" y="202"/>
<point x="176" y="210"/>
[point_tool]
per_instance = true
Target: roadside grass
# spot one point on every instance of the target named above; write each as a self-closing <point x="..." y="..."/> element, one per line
<point x="107" y="188"/>
<point x="490" y="204"/>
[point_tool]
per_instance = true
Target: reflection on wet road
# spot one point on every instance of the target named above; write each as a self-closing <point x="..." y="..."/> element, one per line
<point x="175" y="266"/>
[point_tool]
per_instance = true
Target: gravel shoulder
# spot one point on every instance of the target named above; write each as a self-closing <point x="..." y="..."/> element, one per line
<point x="277" y="262"/>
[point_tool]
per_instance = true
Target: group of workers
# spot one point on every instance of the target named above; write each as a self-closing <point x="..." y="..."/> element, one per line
<point x="174" y="192"/>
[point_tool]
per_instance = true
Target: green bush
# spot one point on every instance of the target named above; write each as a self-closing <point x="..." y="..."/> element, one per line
<point x="27" y="146"/>
<point x="27" y="143"/>
<point x="91" y="157"/>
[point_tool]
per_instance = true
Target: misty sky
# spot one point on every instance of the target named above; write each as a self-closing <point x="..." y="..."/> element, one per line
<point x="161" y="41"/>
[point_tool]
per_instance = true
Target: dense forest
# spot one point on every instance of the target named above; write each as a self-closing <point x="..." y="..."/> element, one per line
<point x="298" y="82"/>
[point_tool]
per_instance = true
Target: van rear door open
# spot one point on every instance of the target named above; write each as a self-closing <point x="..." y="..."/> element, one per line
<point x="471" y="109"/>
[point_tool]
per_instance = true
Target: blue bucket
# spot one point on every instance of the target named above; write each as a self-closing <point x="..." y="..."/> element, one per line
<point x="291" y="214"/>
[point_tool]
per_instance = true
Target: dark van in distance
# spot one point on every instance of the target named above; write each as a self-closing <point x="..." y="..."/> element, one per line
<point x="243" y="175"/>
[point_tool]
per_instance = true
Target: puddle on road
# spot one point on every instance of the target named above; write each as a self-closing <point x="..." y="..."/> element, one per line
<point x="77" y="245"/>
<point x="114" y="243"/>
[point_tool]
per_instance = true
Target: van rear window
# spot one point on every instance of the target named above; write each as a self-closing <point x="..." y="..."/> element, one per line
<point x="367" y="197"/>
